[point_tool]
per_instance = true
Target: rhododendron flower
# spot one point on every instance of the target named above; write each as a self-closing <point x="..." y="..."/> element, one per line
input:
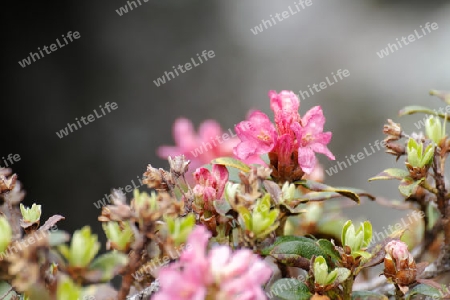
<point x="258" y="135"/>
<point x="210" y="142"/>
<point x="210" y="185"/>
<point x="311" y="138"/>
<point x="219" y="274"/>
<point x="291" y="143"/>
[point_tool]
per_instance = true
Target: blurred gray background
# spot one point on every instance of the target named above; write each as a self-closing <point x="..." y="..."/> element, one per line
<point x="118" y="57"/>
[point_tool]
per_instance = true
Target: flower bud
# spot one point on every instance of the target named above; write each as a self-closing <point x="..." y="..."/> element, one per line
<point x="356" y="239"/>
<point x="5" y="234"/>
<point x="434" y="129"/>
<point x="67" y="289"/>
<point x="321" y="276"/>
<point x="417" y="157"/>
<point x="399" y="265"/>
<point x="180" y="228"/>
<point x="230" y="190"/>
<point x="142" y="202"/>
<point x="119" y="238"/>
<point x="31" y="215"/>
<point x="287" y="192"/>
<point x="263" y="218"/>
<point x="83" y="248"/>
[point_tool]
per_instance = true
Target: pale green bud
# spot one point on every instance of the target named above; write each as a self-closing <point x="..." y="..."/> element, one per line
<point x="417" y="157"/>
<point x="83" y="248"/>
<point x="434" y="129"/>
<point x="31" y="215"/>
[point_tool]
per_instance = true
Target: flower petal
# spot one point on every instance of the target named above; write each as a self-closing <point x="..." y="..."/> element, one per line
<point x="220" y="174"/>
<point x="184" y="135"/>
<point x="314" y="120"/>
<point x="257" y="135"/>
<point x="321" y="148"/>
<point x="209" y="130"/>
<point x="306" y="159"/>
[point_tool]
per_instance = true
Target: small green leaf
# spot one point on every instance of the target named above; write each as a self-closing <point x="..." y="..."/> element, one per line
<point x="231" y="162"/>
<point x="329" y="249"/>
<point x="366" y="295"/>
<point x="367" y="233"/>
<point x="68" y="290"/>
<point x="413" y="109"/>
<point x="289" y="289"/>
<point x="246" y="216"/>
<point x="346" y="192"/>
<point x="344" y="231"/>
<point x="392" y="173"/>
<point x="106" y="266"/>
<point x="423" y="289"/>
<point x="407" y="186"/>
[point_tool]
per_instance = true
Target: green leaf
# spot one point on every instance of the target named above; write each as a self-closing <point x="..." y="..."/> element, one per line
<point x="232" y="162"/>
<point x="6" y="291"/>
<point x="365" y="295"/>
<point x="423" y="289"/>
<point x="289" y="289"/>
<point x="300" y="248"/>
<point x="67" y="290"/>
<point x="344" y="231"/>
<point x="367" y="227"/>
<point x="106" y="266"/>
<point x="283" y="239"/>
<point x="346" y="192"/>
<point x="392" y="173"/>
<point x="407" y="186"/>
<point x="329" y="249"/>
<point x="413" y="109"/>
<point x="246" y="216"/>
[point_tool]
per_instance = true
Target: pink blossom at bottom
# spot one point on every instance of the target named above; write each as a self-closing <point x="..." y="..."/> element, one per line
<point x="220" y="274"/>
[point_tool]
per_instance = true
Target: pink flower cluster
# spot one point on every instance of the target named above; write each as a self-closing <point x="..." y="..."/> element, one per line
<point x="218" y="274"/>
<point x="291" y="135"/>
<point x="210" y="185"/>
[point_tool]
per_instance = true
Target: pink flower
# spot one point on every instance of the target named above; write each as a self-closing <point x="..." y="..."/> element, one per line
<point x="291" y="143"/>
<point x="258" y="136"/>
<point x="311" y="138"/>
<point x="285" y="106"/>
<point x="210" y="185"/>
<point x="219" y="274"/>
<point x="397" y="250"/>
<point x="210" y="142"/>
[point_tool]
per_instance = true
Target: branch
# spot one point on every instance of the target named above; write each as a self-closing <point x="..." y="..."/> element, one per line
<point x="147" y="292"/>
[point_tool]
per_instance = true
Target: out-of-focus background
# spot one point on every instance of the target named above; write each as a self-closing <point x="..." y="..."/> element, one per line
<point x="117" y="58"/>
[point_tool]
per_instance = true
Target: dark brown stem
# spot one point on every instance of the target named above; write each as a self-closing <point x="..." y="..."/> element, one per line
<point x="444" y="208"/>
<point x="133" y="265"/>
